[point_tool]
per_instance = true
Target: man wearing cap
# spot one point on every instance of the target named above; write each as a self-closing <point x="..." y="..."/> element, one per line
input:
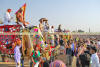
<point x="7" y="17"/>
<point x="94" y="57"/>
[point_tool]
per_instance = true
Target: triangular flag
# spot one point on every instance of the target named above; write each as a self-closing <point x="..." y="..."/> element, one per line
<point x="23" y="8"/>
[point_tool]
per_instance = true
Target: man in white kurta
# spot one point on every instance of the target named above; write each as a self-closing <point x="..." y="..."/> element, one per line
<point x="7" y="17"/>
<point x="94" y="57"/>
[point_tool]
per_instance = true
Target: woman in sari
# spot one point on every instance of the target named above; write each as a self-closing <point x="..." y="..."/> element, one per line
<point x="35" y="57"/>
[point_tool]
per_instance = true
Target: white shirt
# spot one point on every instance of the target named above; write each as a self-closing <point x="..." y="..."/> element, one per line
<point x="52" y="30"/>
<point x="95" y="60"/>
<point x="7" y="18"/>
<point x="52" y="35"/>
<point x="46" y="28"/>
<point x="98" y="44"/>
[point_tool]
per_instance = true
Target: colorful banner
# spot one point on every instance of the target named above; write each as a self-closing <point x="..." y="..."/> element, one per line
<point x="22" y="9"/>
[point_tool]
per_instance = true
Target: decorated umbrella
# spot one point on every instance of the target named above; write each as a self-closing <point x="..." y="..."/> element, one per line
<point x="57" y="63"/>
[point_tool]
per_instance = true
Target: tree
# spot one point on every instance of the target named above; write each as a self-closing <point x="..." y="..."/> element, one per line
<point x="74" y="31"/>
<point x="80" y="30"/>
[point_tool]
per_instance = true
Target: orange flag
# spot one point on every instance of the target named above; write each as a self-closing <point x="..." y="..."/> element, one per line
<point x="23" y="8"/>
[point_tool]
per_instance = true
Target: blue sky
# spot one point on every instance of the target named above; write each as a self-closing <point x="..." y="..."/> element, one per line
<point x="72" y="14"/>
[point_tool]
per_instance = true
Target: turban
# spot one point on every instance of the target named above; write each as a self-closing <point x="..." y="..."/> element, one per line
<point x="9" y="10"/>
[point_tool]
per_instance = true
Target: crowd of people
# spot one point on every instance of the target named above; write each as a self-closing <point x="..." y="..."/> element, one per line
<point x="86" y="50"/>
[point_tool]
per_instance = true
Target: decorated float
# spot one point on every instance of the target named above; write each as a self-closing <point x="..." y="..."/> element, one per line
<point x="8" y="37"/>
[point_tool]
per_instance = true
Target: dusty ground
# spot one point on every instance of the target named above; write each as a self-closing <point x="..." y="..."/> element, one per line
<point x="60" y="57"/>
